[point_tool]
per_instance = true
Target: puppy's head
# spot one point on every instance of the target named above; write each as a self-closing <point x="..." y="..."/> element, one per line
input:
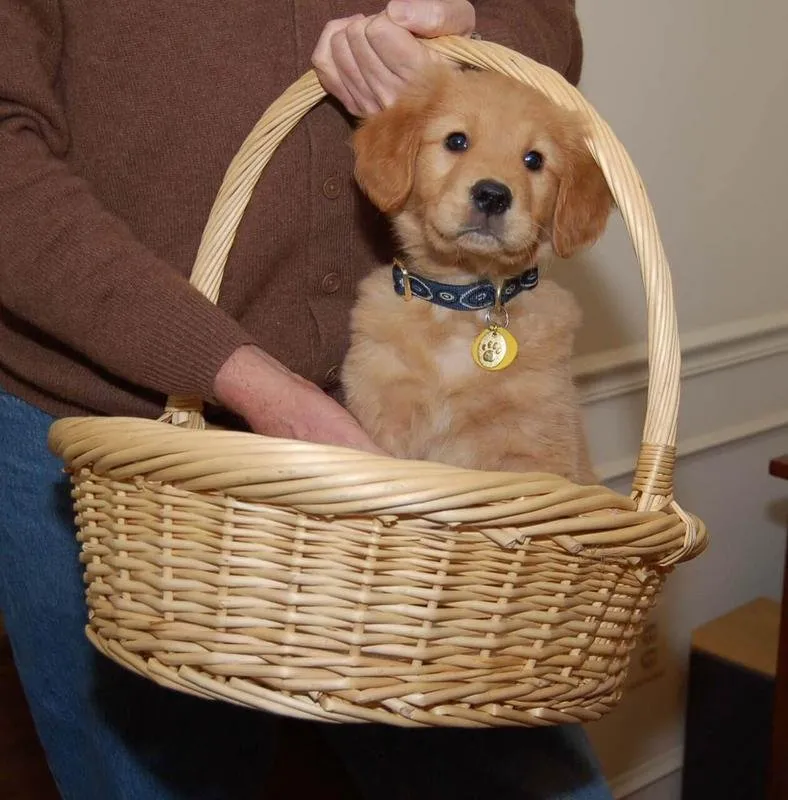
<point x="478" y="169"/>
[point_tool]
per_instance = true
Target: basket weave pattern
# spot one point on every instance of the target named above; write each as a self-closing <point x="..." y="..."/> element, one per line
<point x="330" y="584"/>
<point x="340" y="619"/>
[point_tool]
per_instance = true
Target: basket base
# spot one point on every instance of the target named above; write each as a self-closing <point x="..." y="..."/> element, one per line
<point x="352" y="619"/>
<point x="323" y="707"/>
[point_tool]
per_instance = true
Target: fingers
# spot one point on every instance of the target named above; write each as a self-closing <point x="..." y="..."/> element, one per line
<point x="318" y="418"/>
<point x="326" y="67"/>
<point x="365" y="61"/>
<point x="297" y="409"/>
<point x="346" y="432"/>
<point x="373" y="83"/>
<point x="401" y="53"/>
<point x="430" y="18"/>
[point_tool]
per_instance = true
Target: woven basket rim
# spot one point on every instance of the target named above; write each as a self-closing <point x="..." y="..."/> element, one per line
<point x="339" y="482"/>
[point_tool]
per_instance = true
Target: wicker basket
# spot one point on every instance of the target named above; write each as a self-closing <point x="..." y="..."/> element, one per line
<point x="329" y="584"/>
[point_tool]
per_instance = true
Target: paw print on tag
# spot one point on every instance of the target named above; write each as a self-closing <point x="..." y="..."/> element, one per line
<point x="492" y="350"/>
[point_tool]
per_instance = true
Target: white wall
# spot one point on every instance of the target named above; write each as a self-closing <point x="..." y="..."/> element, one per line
<point x="698" y="92"/>
<point x="696" y="89"/>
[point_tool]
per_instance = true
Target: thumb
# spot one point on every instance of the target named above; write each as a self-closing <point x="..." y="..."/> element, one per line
<point x="429" y="18"/>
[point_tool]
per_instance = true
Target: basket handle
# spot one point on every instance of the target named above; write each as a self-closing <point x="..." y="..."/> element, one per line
<point x="653" y="484"/>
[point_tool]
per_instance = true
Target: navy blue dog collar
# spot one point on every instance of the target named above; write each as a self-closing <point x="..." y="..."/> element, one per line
<point x="462" y="297"/>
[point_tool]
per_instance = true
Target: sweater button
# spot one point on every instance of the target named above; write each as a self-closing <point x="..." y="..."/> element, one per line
<point x="330" y="283"/>
<point x="332" y="187"/>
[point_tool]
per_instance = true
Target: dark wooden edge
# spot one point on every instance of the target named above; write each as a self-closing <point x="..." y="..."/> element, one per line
<point x="778" y="783"/>
<point x="779" y="467"/>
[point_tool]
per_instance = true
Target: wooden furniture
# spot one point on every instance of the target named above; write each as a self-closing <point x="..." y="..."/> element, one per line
<point x="778" y="783"/>
<point x="736" y="737"/>
<point x="733" y="663"/>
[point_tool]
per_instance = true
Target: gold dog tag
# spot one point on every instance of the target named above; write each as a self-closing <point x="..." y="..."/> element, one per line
<point x="494" y="348"/>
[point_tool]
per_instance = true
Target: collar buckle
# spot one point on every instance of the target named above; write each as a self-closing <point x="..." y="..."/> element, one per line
<point x="407" y="289"/>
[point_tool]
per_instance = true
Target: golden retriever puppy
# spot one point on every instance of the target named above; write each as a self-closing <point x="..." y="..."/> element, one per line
<point x="461" y="352"/>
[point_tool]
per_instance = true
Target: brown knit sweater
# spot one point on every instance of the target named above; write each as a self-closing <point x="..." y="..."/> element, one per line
<point x="117" y="121"/>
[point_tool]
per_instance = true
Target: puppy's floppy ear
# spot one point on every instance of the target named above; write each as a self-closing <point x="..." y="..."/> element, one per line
<point x="583" y="205"/>
<point x="386" y="146"/>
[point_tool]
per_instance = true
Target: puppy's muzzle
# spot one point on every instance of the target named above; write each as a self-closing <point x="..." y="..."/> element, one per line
<point x="491" y="197"/>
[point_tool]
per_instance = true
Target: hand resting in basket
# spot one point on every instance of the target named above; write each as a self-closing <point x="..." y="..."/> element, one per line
<point x="277" y="402"/>
<point x="462" y="352"/>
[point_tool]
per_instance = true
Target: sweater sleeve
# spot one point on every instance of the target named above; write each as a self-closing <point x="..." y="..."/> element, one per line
<point x="545" y="30"/>
<point x="67" y="265"/>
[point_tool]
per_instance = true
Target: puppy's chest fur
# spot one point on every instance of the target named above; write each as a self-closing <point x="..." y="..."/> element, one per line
<point x="412" y="383"/>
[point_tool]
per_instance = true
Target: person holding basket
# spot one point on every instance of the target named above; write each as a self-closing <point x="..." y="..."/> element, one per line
<point x="117" y="122"/>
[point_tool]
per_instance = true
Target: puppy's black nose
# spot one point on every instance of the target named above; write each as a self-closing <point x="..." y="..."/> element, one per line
<point x="491" y="197"/>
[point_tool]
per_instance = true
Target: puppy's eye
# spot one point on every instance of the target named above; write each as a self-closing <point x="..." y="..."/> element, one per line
<point x="533" y="160"/>
<point x="456" y="142"/>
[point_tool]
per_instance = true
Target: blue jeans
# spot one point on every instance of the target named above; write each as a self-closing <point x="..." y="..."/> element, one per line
<point x="111" y="735"/>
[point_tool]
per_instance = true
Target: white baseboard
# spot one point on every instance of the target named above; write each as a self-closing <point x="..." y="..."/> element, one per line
<point x="613" y="373"/>
<point x="650" y="772"/>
